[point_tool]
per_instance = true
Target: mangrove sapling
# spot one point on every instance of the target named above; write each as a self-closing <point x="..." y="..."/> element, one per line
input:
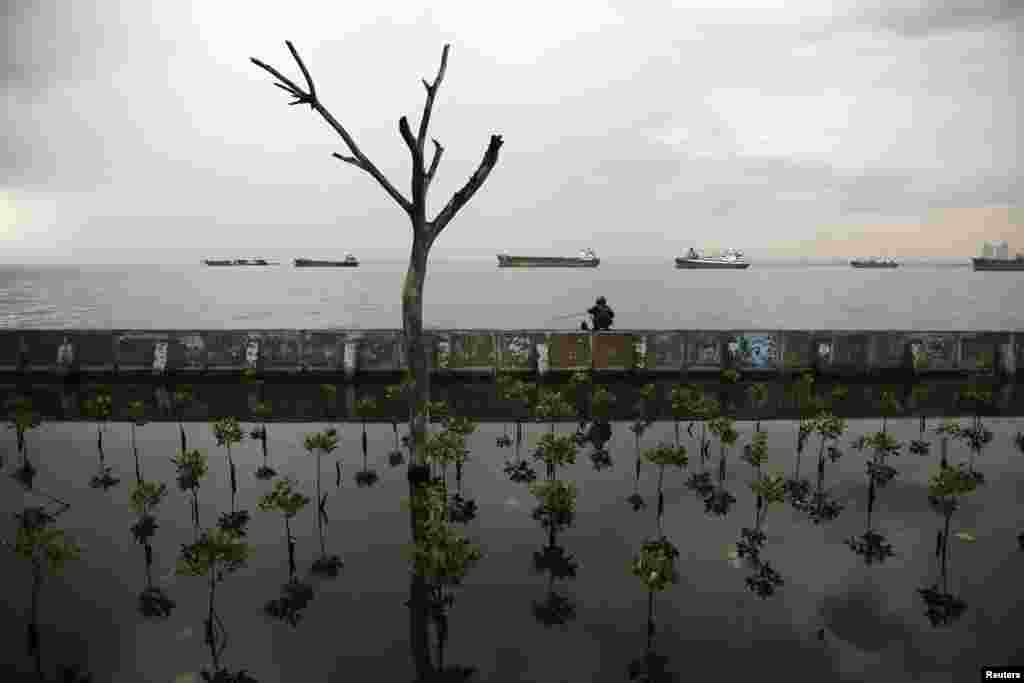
<point x="145" y="496"/>
<point x="216" y="554"/>
<point x="521" y="394"/>
<point x="192" y="466"/>
<point x="323" y="443"/>
<point x="555" y="451"/>
<point x="263" y="411"/>
<point x="229" y="433"/>
<point x="441" y="555"/>
<point x="665" y="455"/>
<point x="769" y="489"/>
<point x="23" y="418"/>
<point x="703" y="408"/>
<point x="551" y="406"/>
<point x="822" y="507"/>
<point x="137" y="413"/>
<point x="285" y="499"/>
<point x="461" y="509"/>
<point x="945" y="489"/>
<point x="556" y="609"/>
<point x="655" y="566"/>
<point x="871" y="544"/>
<point x="100" y="408"/>
<point x="758" y="397"/>
<point x="643" y="411"/>
<point x="719" y="500"/>
<point x="400" y="393"/>
<point x="808" y="404"/>
<point x="295" y="594"/>
<point x="48" y="549"/>
<point x="600" y="431"/>
<point x="555" y="511"/>
<point x="183" y="397"/>
<point x="920" y="446"/>
<point x="977" y="436"/>
<point x="889" y="407"/>
<point x="365" y="409"/>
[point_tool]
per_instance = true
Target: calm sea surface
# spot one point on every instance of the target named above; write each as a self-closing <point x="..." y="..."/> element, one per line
<point x="476" y="294"/>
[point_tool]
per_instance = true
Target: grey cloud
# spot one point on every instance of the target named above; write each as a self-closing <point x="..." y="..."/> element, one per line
<point x="942" y="16"/>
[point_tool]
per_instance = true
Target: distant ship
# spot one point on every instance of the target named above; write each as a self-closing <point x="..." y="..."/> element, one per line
<point x="239" y="262"/>
<point x="996" y="256"/>
<point x="349" y="261"/>
<point x="999" y="263"/>
<point x="730" y="258"/>
<point x="874" y="263"/>
<point x="586" y="259"/>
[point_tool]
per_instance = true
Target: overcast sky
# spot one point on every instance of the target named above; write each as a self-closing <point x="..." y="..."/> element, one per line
<point x="135" y="130"/>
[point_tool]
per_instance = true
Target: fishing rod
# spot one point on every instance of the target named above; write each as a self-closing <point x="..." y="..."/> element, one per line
<point x="570" y="315"/>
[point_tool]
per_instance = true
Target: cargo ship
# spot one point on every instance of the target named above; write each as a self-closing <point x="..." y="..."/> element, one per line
<point x="239" y="262"/>
<point x="996" y="256"/>
<point x="730" y="258"/>
<point x="586" y="259"/>
<point x="999" y="263"/>
<point x="349" y="261"/>
<point x="874" y="263"/>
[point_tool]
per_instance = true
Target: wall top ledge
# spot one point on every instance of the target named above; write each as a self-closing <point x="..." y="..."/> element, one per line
<point x="469" y="330"/>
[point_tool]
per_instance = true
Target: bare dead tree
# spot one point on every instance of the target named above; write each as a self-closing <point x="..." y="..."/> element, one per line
<point x="424" y="233"/>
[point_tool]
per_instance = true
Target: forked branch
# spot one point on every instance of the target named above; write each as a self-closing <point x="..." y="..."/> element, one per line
<point x="475" y="182"/>
<point x="310" y="97"/>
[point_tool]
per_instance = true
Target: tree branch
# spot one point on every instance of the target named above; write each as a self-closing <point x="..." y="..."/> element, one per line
<point x="302" y="66"/>
<point x="431" y="92"/>
<point x="460" y="198"/>
<point x="314" y="102"/>
<point x="349" y="160"/>
<point x="438" y="151"/>
<point x="410" y="142"/>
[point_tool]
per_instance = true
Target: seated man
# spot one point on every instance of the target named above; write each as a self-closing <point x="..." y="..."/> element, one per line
<point x="602" y="314"/>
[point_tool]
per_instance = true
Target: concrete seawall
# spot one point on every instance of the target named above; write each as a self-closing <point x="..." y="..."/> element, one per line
<point x="868" y="353"/>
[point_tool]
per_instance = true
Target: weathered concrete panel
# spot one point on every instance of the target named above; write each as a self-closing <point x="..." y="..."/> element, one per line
<point x="136" y="350"/>
<point x="887" y="350"/>
<point x="665" y="350"/>
<point x="976" y="348"/>
<point x="280" y="350"/>
<point x="849" y="351"/>
<point x="518" y="350"/>
<point x="44" y="347"/>
<point x="225" y="349"/>
<point x="569" y="351"/>
<point x="797" y="350"/>
<point x="932" y="351"/>
<point x="10" y="350"/>
<point x="94" y="350"/>
<point x="187" y="351"/>
<point x="379" y="353"/>
<point x="704" y="350"/>
<point x="322" y="350"/>
<point x="465" y="350"/>
<point x="613" y="351"/>
<point x="754" y="350"/>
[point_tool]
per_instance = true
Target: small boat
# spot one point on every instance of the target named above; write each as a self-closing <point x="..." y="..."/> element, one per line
<point x="874" y="263"/>
<point x="984" y="263"/>
<point x="730" y="258"/>
<point x="586" y="259"/>
<point x="239" y="262"/>
<point x="349" y="261"/>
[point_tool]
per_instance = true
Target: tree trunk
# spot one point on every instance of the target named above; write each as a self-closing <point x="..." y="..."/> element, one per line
<point x="416" y="362"/>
